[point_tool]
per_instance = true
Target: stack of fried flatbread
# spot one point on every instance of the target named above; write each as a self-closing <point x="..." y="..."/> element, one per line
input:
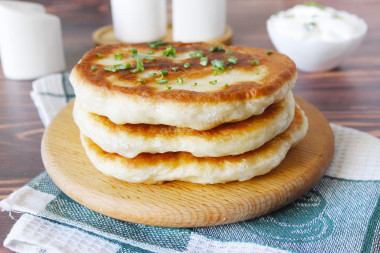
<point x="202" y="113"/>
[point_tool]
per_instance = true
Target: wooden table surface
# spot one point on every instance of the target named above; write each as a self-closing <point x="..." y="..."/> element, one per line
<point x="348" y="96"/>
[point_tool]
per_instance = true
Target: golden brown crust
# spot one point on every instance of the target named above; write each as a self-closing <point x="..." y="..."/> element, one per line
<point x="166" y="131"/>
<point x="281" y="69"/>
<point x="152" y="159"/>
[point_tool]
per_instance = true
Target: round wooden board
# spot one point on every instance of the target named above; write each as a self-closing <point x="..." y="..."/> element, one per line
<point x="105" y="35"/>
<point x="182" y="204"/>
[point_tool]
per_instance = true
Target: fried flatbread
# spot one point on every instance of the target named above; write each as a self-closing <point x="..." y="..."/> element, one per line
<point x="154" y="168"/>
<point x="236" y="83"/>
<point x="236" y="138"/>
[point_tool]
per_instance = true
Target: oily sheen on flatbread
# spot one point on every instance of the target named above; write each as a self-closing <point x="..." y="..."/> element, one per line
<point x="208" y="97"/>
<point x="236" y="138"/>
<point x="154" y="168"/>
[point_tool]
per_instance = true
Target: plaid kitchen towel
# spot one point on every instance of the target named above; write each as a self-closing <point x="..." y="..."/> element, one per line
<point x="340" y="214"/>
<point x="50" y="94"/>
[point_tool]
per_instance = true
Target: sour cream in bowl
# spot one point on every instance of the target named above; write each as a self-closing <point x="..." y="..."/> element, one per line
<point x="316" y="37"/>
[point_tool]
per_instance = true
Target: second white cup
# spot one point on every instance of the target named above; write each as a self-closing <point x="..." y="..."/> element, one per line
<point x="198" y="20"/>
<point x="139" y="20"/>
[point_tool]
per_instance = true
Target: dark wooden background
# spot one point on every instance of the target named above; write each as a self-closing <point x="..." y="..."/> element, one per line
<point x="348" y="96"/>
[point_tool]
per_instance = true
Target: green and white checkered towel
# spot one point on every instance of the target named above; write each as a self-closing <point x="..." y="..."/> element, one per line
<point x="340" y="214"/>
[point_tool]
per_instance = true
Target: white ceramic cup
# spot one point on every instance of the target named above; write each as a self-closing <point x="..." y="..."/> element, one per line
<point x="198" y="20"/>
<point x="31" y="43"/>
<point x="139" y="20"/>
<point x="21" y="6"/>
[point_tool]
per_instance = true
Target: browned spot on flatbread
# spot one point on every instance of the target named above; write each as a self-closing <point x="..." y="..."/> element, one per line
<point x="166" y="131"/>
<point x="145" y="159"/>
<point x="281" y="69"/>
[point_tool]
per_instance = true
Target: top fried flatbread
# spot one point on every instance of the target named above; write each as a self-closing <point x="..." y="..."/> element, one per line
<point x="207" y="98"/>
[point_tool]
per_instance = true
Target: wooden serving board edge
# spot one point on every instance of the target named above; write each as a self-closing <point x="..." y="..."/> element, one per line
<point x="176" y="218"/>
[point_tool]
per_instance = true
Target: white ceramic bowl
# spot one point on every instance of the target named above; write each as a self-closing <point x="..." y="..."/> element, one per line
<point x="317" y="54"/>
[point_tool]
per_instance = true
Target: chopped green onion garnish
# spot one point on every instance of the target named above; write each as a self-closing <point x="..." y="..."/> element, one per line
<point x="118" y="56"/>
<point x="213" y="82"/>
<point x="310" y="26"/>
<point x="160" y="78"/>
<point x="140" y="80"/>
<point x="255" y="63"/>
<point x="186" y="65"/>
<point x="196" y="54"/>
<point x="156" y="43"/>
<point x="149" y="58"/>
<point x="144" y="57"/>
<point x="314" y="4"/>
<point x="232" y="60"/>
<point x="133" y="51"/>
<point x="139" y="67"/>
<point x="152" y="74"/>
<point x="268" y="52"/>
<point x="218" y="66"/>
<point x="169" y="51"/>
<point x="168" y="88"/>
<point x="230" y="67"/>
<point x="194" y="84"/>
<point x="93" y="68"/>
<point x="204" y="61"/>
<point x="175" y="69"/>
<point x="112" y="69"/>
<point x="180" y="80"/>
<point x="258" y="73"/>
<point x="122" y="66"/>
<point x="289" y="16"/>
<point x="335" y="15"/>
<point x="216" y="49"/>
<point x="116" y="67"/>
<point x="164" y="72"/>
<point x="150" y="52"/>
<point x="99" y="56"/>
<point x="163" y="81"/>
<point x="226" y="84"/>
<point x="229" y="51"/>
